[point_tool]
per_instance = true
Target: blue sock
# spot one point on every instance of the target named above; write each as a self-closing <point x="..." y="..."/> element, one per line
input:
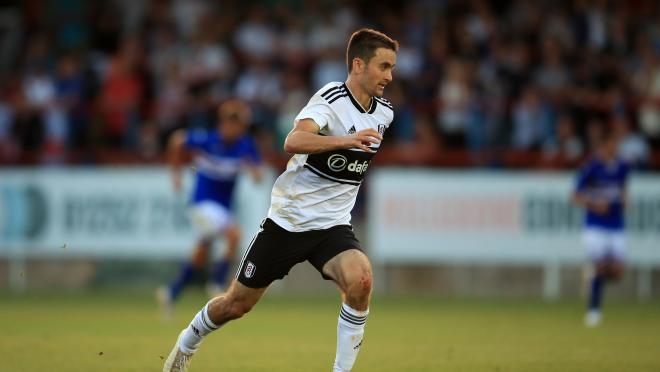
<point x="220" y="271"/>
<point x="596" y="294"/>
<point x="186" y="276"/>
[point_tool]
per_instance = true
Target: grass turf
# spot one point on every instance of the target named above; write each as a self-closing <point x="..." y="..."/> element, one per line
<point x="107" y="331"/>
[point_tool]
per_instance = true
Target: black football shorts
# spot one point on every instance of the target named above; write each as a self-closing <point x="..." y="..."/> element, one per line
<point x="274" y="251"/>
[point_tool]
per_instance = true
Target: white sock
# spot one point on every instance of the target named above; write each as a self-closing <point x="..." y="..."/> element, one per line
<point x="200" y="326"/>
<point x="350" y="329"/>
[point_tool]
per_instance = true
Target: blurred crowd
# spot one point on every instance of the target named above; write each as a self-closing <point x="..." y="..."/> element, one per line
<point x="479" y="78"/>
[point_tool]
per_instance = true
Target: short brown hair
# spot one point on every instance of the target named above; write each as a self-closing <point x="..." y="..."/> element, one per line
<point x="363" y="44"/>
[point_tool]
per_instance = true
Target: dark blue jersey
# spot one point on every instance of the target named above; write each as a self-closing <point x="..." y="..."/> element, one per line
<point x="601" y="180"/>
<point x="218" y="164"/>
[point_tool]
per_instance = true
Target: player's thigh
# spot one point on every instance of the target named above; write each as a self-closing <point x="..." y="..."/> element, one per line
<point x="596" y="242"/>
<point x="338" y="253"/>
<point x="617" y="244"/>
<point x="271" y="254"/>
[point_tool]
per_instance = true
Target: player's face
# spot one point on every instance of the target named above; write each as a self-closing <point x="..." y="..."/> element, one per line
<point x="610" y="147"/>
<point x="231" y="129"/>
<point x="379" y="71"/>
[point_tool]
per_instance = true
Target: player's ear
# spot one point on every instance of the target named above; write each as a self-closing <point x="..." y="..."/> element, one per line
<point x="358" y="65"/>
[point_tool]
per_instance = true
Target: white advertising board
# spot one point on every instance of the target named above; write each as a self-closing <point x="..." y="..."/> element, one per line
<point x="107" y="212"/>
<point x="430" y="216"/>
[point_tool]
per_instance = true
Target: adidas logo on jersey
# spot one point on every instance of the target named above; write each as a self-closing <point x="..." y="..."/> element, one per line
<point x="352" y="130"/>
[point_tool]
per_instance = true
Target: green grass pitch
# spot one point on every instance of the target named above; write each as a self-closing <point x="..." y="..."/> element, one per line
<point x="106" y="331"/>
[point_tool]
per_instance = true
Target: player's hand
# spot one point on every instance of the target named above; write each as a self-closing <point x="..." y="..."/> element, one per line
<point x="256" y="172"/>
<point x="599" y="206"/>
<point x="363" y="139"/>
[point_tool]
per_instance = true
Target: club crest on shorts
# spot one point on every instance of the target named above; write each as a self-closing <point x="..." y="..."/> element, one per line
<point x="249" y="269"/>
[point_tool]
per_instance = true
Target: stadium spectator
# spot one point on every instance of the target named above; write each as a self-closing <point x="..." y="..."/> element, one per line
<point x="122" y="95"/>
<point x="70" y="91"/>
<point x="564" y="148"/>
<point x="649" y="111"/>
<point x="453" y="105"/>
<point x="532" y="121"/>
<point x="633" y="148"/>
<point x="8" y="148"/>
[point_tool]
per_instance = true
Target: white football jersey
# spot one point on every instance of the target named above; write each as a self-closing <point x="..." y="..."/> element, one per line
<point x="318" y="191"/>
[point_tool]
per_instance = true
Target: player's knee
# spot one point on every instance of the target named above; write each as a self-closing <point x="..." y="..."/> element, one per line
<point x="360" y="285"/>
<point x="615" y="272"/>
<point x="233" y="233"/>
<point x="233" y="236"/>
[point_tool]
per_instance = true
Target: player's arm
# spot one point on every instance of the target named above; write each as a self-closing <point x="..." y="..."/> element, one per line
<point x="625" y="197"/>
<point x="251" y="162"/>
<point x="255" y="170"/>
<point x="581" y="197"/>
<point x="600" y="206"/>
<point x="304" y="138"/>
<point x="175" y="154"/>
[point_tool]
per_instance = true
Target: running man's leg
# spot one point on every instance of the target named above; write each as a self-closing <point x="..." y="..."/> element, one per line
<point x="221" y="268"/>
<point x="212" y="220"/>
<point x="190" y="268"/>
<point x="595" y="242"/>
<point x="351" y="270"/>
<point x="606" y="251"/>
<point x="166" y="295"/>
<point x="238" y="300"/>
<point x="270" y="256"/>
<point x="614" y="269"/>
<point x="616" y="256"/>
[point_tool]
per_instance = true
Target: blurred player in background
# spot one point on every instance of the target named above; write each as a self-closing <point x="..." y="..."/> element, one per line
<point x="219" y="155"/>
<point x="334" y="139"/>
<point x="601" y="191"/>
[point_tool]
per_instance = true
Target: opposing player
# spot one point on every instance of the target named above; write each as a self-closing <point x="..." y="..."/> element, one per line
<point x="218" y="156"/>
<point x="601" y="191"/>
<point x="334" y="139"/>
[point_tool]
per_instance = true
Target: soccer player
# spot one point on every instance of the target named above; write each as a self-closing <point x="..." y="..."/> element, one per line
<point x="601" y="191"/>
<point x="218" y="156"/>
<point x="334" y="139"/>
